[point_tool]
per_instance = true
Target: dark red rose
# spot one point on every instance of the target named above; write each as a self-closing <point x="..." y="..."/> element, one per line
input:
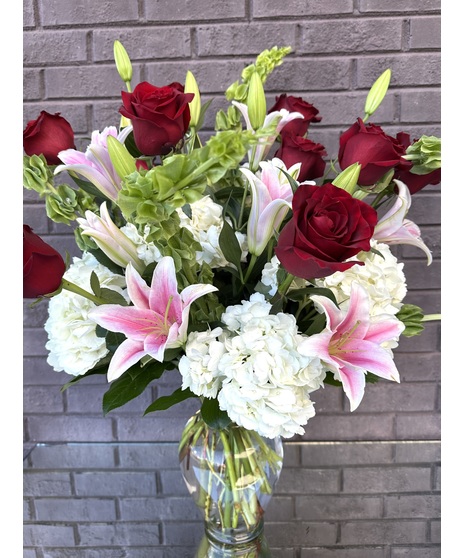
<point x="48" y="135"/>
<point x="43" y="266"/>
<point x="296" y="149"/>
<point x="414" y="182"/>
<point x="299" y="126"/>
<point x="160" y="116"/>
<point x="370" y="146"/>
<point x="328" y="226"/>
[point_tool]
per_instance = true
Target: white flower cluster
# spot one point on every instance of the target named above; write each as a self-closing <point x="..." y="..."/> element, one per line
<point x="205" y="224"/>
<point x="72" y="343"/>
<point x="382" y="277"/>
<point x="254" y="369"/>
<point x="269" y="279"/>
<point x="146" y="251"/>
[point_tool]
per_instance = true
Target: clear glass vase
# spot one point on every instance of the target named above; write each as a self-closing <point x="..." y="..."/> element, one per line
<point x="231" y="474"/>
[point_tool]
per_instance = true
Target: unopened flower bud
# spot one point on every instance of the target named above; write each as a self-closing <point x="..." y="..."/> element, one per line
<point x="191" y="86"/>
<point x="256" y="101"/>
<point x="425" y="154"/>
<point x="348" y="178"/>
<point x="377" y="93"/>
<point x="123" y="63"/>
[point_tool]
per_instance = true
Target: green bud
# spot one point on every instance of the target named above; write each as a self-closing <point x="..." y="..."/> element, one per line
<point x="425" y="155"/>
<point x="256" y="101"/>
<point x="61" y="205"/>
<point x="36" y="174"/>
<point x="411" y="316"/>
<point x="347" y="179"/>
<point x="377" y="93"/>
<point x="121" y="159"/>
<point x="123" y="63"/>
<point x="195" y="105"/>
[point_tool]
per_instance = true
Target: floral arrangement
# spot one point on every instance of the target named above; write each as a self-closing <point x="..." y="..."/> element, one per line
<point x="249" y="261"/>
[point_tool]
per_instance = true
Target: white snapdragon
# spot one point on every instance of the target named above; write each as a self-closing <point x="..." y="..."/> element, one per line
<point x="146" y="251"/>
<point x="73" y="344"/>
<point x="205" y="224"/>
<point x="382" y="277"/>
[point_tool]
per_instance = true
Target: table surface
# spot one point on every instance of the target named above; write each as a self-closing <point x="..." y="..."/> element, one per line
<point x="333" y="500"/>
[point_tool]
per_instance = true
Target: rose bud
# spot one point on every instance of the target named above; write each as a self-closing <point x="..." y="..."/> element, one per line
<point x="160" y="116"/>
<point x="296" y="149"/>
<point x="43" y="266"/>
<point x="48" y="135"/>
<point x="297" y="127"/>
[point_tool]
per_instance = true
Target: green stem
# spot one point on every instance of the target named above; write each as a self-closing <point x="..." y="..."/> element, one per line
<point x="230" y="468"/>
<point x="282" y="289"/>
<point x="78" y="290"/>
<point x="253" y="260"/>
<point x="431" y="317"/>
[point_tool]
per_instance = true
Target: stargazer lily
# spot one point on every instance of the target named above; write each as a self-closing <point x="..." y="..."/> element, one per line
<point x="277" y="118"/>
<point x="393" y="228"/>
<point x="108" y="237"/>
<point x="271" y="200"/>
<point x="157" y="321"/>
<point x="95" y="164"/>
<point x="352" y="343"/>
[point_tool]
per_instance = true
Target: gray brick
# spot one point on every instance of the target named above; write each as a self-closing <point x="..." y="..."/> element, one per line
<point x="32" y="84"/>
<point x="48" y="535"/>
<point x="89" y="399"/>
<point x="416" y="552"/>
<point x="398" y="6"/>
<point x="159" y="509"/>
<point x="119" y="534"/>
<point x="426" y="208"/>
<point x="280" y="508"/>
<point x="155" y="456"/>
<point x="412" y="426"/>
<point x="378" y="480"/>
<point x="27" y="509"/>
<point x="351" y="35"/>
<point x="172" y="483"/>
<point x="36" y="217"/>
<point x="190" y="534"/>
<point x="436" y="532"/>
<point x="115" y="483"/>
<point x="74" y="457"/>
<point x="314" y="507"/>
<point x="371" y="552"/>
<point x="36" y="371"/>
<point x="309" y="481"/>
<point x="291" y="457"/>
<point x="154" y="43"/>
<point x="34" y="315"/>
<point x="328" y="400"/>
<point x="101" y="552"/>
<point x="75" y="114"/>
<point x="45" y="484"/>
<point x="249" y="39"/>
<point x="350" y="426"/>
<point x="346" y="453"/>
<point x="425" y="32"/>
<point x="59" y="12"/>
<point x="411" y="70"/>
<point x="413" y="105"/>
<point x="383" y="532"/>
<point x="34" y="340"/>
<point x="36" y="399"/>
<point x="186" y="11"/>
<point x="105" y="113"/>
<point x="311" y="8"/>
<point x="428" y="340"/>
<point x="82" y="509"/>
<point x="390" y="397"/>
<point x="301" y="533"/>
<point x="70" y="428"/>
<point x="151" y="428"/>
<point x="418" y="452"/>
<point x="29" y="553"/>
<point x="54" y="47"/>
<point x="28" y="17"/>
<point x="413" y="506"/>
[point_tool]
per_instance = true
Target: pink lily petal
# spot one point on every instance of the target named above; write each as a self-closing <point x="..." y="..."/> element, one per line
<point x="134" y="322"/>
<point x="372" y="358"/>
<point x="164" y="289"/>
<point x="138" y="290"/>
<point x="353" y="384"/>
<point x="127" y="354"/>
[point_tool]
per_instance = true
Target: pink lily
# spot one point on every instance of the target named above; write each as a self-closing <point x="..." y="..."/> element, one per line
<point x="277" y="118"/>
<point x="271" y="200"/>
<point x="95" y="164"/>
<point x="393" y="228"/>
<point x="157" y="321"/>
<point x="108" y="237"/>
<point x="351" y="343"/>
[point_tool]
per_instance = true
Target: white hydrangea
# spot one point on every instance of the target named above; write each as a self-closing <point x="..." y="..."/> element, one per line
<point x="199" y="365"/>
<point x="269" y="279"/>
<point x="205" y="224"/>
<point x="146" y="251"/>
<point x="382" y="277"/>
<point x="72" y="343"/>
<point x="266" y="381"/>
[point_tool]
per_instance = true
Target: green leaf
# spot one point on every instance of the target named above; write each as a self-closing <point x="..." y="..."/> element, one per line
<point x="95" y="284"/>
<point x="213" y="416"/>
<point x="230" y="245"/>
<point x="88" y="187"/>
<point x="100" y="368"/>
<point x="167" y="401"/>
<point x="131" y="384"/>
<point x="307" y="292"/>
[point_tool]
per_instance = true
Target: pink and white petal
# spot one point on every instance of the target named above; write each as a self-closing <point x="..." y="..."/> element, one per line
<point x="384" y="330"/>
<point x="127" y="354"/>
<point x="332" y="312"/>
<point x="164" y="289"/>
<point x="370" y="357"/>
<point x="188" y="295"/>
<point x="155" y="345"/>
<point x="353" y="384"/>
<point x="357" y="319"/>
<point x="94" y="176"/>
<point x="138" y="290"/>
<point x="135" y="323"/>
<point x="317" y="346"/>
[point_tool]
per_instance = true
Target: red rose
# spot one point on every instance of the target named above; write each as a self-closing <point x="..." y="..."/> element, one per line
<point x="43" y="266"/>
<point x="328" y="226"/>
<point x="414" y="182"/>
<point x="296" y="149"/>
<point x="160" y="116"/>
<point x="368" y="145"/>
<point x="48" y="135"/>
<point x="299" y="126"/>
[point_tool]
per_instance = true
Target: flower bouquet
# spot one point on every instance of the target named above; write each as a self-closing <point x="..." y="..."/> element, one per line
<point x="246" y="260"/>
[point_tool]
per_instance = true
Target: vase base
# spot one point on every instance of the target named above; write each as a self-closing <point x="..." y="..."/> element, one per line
<point x="256" y="548"/>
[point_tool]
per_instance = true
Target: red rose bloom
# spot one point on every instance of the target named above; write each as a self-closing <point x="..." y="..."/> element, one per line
<point x="160" y="116"/>
<point x="368" y="145"/>
<point x="48" y="135"/>
<point x="43" y="266"/>
<point x="296" y="149"/>
<point x="328" y="226"/>
<point x="299" y="126"/>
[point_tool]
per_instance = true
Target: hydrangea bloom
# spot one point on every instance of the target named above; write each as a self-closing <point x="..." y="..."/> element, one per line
<point x="205" y="224"/>
<point x="269" y="279"/>
<point x="146" y="251"/>
<point x="382" y="277"/>
<point x="72" y="343"/>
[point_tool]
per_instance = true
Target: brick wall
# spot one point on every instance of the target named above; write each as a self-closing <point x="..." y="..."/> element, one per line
<point x="339" y="48"/>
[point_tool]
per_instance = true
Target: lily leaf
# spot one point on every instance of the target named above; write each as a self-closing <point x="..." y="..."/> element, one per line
<point x="213" y="416"/>
<point x="230" y="245"/>
<point x="167" y="401"/>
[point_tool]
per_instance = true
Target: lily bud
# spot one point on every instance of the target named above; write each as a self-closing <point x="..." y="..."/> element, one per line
<point x="191" y="86"/>
<point x="256" y="101"/>
<point x="123" y="63"/>
<point x="123" y="162"/>
<point x="377" y="93"/>
<point x="347" y="179"/>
